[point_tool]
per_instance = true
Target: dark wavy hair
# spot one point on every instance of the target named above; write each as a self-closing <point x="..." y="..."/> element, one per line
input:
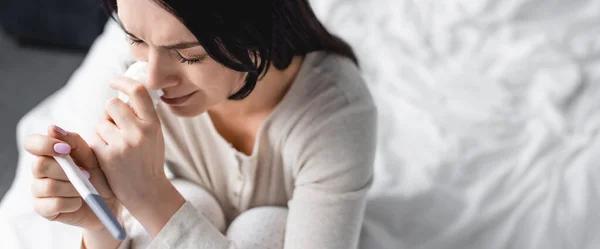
<point x="249" y="36"/>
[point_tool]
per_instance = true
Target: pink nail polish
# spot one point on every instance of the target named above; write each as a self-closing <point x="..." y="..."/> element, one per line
<point x="62" y="148"/>
<point x="60" y="130"/>
<point x="86" y="173"/>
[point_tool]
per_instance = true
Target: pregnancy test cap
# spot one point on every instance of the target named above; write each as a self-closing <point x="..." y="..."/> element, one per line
<point x="139" y="72"/>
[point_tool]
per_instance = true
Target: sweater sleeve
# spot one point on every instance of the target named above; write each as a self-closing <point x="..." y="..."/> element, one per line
<point x="335" y="156"/>
<point x="188" y="228"/>
<point x="199" y="223"/>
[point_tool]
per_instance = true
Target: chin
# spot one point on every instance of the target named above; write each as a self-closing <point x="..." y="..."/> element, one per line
<point x="185" y="111"/>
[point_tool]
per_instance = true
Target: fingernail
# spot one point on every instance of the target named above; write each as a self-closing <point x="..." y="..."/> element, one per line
<point x="60" y="130"/>
<point x="62" y="148"/>
<point x="86" y="173"/>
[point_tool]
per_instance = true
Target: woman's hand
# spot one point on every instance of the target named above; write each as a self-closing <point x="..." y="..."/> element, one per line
<point x="131" y="152"/>
<point x="55" y="198"/>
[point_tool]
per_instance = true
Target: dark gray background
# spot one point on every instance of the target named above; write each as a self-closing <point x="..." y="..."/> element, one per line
<point x="28" y="74"/>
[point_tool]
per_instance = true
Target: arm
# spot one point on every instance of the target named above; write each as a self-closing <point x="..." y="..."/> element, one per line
<point x="335" y="172"/>
<point x="187" y="227"/>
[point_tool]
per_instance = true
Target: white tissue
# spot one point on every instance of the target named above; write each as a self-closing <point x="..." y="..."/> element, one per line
<point x="139" y="72"/>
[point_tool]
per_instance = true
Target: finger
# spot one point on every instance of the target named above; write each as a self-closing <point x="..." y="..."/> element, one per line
<point x="122" y="115"/>
<point x="51" y="207"/>
<point x="81" y="152"/>
<point x="74" y="218"/>
<point x="46" y="188"/>
<point x="42" y="188"/>
<point x="41" y="145"/>
<point x="108" y="132"/>
<point x="139" y="98"/>
<point x="47" y="167"/>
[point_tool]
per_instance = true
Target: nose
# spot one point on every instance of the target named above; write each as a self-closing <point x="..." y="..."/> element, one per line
<point x="161" y="74"/>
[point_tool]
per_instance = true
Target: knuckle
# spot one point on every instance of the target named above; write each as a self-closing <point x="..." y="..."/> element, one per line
<point x="28" y="143"/>
<point x="57" y="205"/>
<point x="46" y="208"/>
<point x="38" y="207"/>
<point x="111" y="102"/>
<point x="38" y="167"/>
<point x="138" y="89"/>
<point x="51" y="186"/>
<point x="35" y="144"/>
<point x="36" y="190"/>
<point x="33" y="189"/>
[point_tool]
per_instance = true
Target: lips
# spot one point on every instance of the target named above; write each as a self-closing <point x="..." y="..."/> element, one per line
<point x="177" y="100"/>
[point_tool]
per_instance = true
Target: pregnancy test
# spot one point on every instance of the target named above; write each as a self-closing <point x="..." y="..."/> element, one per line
<point x="91" y="196"/>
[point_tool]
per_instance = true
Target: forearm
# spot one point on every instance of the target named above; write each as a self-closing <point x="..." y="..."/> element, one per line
<point x="155" y="210"/>
<point x="173" y="222"/>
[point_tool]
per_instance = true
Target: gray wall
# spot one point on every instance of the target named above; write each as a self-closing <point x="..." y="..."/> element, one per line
<point x="27" y="76"/>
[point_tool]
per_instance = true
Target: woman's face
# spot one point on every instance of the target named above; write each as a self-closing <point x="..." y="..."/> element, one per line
<point x="177" y="64"/>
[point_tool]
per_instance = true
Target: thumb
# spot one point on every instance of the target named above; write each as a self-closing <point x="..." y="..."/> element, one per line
<point x="81" y="152"/>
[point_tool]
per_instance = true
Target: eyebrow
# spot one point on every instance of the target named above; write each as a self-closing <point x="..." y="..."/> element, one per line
<point x="182" y="45"/>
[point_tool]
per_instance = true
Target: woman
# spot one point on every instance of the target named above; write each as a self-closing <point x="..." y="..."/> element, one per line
<point x="265" y="123"/>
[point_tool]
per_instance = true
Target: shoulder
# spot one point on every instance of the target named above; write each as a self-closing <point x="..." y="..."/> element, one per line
<point x="329" y="123"/>
<point x="327" y="77"/>
<point x="327" y="86"/>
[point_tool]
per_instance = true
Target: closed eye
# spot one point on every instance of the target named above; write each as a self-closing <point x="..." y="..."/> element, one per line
<point x="134" y="41"/>
<point x="189" y="61"/>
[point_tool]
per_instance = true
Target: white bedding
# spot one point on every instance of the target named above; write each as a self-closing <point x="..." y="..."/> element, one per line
<point x="489" y="118"/>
